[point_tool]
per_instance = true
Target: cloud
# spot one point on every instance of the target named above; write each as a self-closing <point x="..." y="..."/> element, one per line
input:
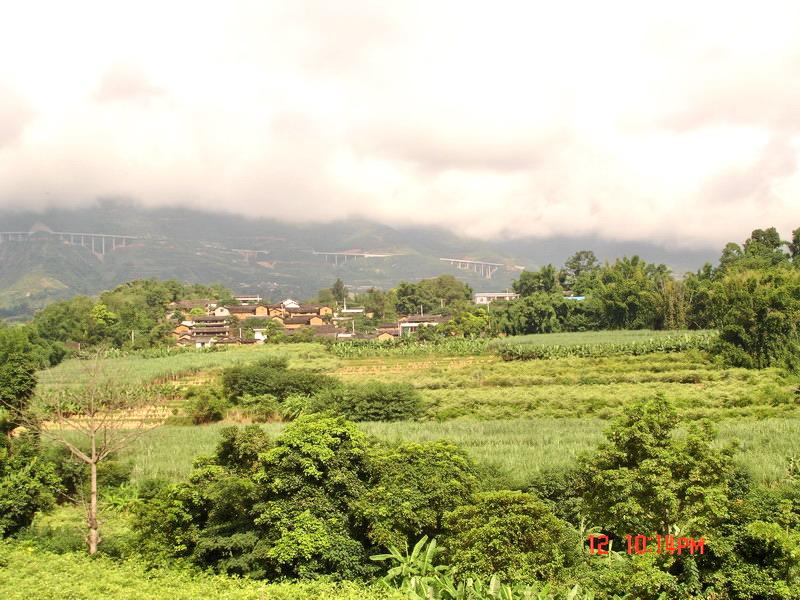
<point x="124" y="82"/>
<point x="15" y="115"/>
<point x="673" y="124"/>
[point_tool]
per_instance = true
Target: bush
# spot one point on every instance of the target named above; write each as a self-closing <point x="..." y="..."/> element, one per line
<point x="316" y="501"/>
<point x="371" y="401"/>
<point x="509" y="534"/>
<point x="272" y="377"/>
<point x="73" y="473"/>
<point x="261" y="409"/>
<point x="205" y="406"/>
<point x="413" y="486"/>
<point x="645" y="479"/>
<point x="28" y="483"/>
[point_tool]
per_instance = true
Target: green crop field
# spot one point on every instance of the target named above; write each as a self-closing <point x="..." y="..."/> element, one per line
<point x="602" y="343"/>
<point x="485" y="387"/>
<point x="143" y="368"/>
<point x="517" y="449"/>
<point x="520" y="416"/>
<point x="619" y="336"/>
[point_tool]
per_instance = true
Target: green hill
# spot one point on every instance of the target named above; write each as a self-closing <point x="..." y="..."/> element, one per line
<point x="202" y="247"/>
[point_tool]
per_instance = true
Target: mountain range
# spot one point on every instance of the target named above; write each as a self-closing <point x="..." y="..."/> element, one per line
<point x="275" y="259"/>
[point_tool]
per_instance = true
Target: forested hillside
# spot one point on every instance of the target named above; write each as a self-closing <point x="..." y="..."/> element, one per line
<point x="200" y="247"/>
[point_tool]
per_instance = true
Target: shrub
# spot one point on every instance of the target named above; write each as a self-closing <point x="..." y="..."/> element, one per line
<point x="268" y="510"/>
<point x="261" y="409"/>
<point x="315" y="502"/>
<point x="371" y="401"/>
<point x="28" y="483"/>
<point x="509" y="534"/>
<point x="205" y="406"/>
<point x="413" y="486"/>
<point x="272" y="377"/>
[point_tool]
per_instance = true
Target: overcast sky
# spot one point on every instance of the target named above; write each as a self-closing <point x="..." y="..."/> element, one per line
<point x="678" y="123"/>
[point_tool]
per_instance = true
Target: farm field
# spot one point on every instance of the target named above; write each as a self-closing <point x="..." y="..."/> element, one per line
<point x="514" y="451"/>
<point x="574" y="338"/>
<point x="519" y="417"/>
<point x="486" y="387"/>
<point x="158" y="367"/>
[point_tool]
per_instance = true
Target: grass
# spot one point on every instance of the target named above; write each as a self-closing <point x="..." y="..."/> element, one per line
<point x="602" y="343"/>
<point x="136" y="369"/>
<point x="516" y="449"/>
<point x="28" y="572"/>
<point x="520" y="416"/>
<point x="618" y="336"/>
<point x="485" y="387"/>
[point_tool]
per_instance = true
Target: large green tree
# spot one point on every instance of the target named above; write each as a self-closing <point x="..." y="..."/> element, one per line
<point x="533" y="282"/>
<point x="646" y="480"/>
<point x="757" y="313"/>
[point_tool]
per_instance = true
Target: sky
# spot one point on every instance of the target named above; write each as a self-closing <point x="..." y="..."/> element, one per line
<point x="676" y="123"/>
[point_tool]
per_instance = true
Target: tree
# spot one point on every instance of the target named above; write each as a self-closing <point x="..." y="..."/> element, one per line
<point x="535" y="313"/>
<point x="627" y="293"/>
<point x="413" y="299"/>
<point x="339" y="291"/>
<point x="377" y="301"/>
<point x="512" y="535"/>
<point x="28" y="483"/>
<point x="794" y="246"/>
<point x="578" y="269"/>
<point x="440" y="294"/>
<point x="93" y="421"/>
<point x="412" y="486"/>
<point x="543" y="280"/>
<point x="757" y="314"/>
<point x="17" y="385"/>
<point x="325" y="296"/>
<point x="645" y="479"/>
<point x="673" y="305"/>
<point x="731" y="254"/>
<point x="315" y="501"/>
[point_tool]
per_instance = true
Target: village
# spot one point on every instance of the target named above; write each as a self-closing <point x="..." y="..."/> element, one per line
<point x="204" y="323"/>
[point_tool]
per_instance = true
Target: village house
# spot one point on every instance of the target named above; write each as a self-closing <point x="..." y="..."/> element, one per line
<point x="412" y="323"/>
<point x="183" y="328"/>
<point x="209" y="321"/>
<point x="303" y="321"/>
<point x="484" y="298"/>
<point x="244" y="311"/>
<point x="275" y="310"/>
<point x="308" y="310"/>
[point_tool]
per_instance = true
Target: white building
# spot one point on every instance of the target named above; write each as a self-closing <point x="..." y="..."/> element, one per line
<point x="488" y="297"/>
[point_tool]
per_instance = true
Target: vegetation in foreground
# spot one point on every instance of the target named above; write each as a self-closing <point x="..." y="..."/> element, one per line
<point x="346" y="496"/>
<point x="27" y="572"/>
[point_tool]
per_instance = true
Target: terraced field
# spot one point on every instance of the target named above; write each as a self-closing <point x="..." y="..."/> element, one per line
<point x="515" y="417"/>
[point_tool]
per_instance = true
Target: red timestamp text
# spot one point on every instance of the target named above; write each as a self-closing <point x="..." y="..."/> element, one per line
<point x="652" y="544"/>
